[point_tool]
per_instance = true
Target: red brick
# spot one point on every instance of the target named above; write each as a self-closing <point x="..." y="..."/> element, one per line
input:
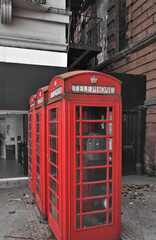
<point x="151" y="94"/>
<point x="151" y="84"/>
<point x="129" y="18"/>
<point x="136" y="13"/>
<point x="147" y="23"/>
<point x="128" y="3"/>
<point x="139" y="20"/>
<point x="151" y="11"/>
<point x="146" y="50"/>
<point x="143" y="69"/>
<point x="147" y="5"/>
<point x="137" y="30"/>
<point x="138" y="4"/>
<point x="151" y="118"/>
<point x="155" y="17"/>
<point x="139" y="36"/>
<point x="150" y="128"/>
<point x="151" y="110"/>
<point x="128" y="34"/>
<point x="151" y="75"/>
<point x="151" y="28"/>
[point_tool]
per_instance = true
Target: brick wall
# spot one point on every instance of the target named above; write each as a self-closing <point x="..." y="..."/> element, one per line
<point x="140" y="58"/>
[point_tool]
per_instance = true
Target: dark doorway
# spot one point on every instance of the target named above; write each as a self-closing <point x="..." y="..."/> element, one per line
<point x="10" y="152"/>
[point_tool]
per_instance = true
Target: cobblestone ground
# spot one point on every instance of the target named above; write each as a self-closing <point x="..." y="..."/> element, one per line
<point x="138" y="219"/>
<point x="20" y="217"/>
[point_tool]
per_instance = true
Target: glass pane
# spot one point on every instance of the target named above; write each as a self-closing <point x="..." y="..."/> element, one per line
<point x="37" y="128"/>
<point x="110" y="173"/>
<point x="29" y="134"/>
<point x="77" y="160"/>
<point x="30" y="143"/>
<point x="77" y="113"/>
<point x="38" y="149"/>
<point x="38" y="190"/>
<point x="92" y="190"/>
<point x="38" y="159"/>
<point x="94" y="144"/>
<point x="94" y="159"/>
<point x="110" y="188"/>
<point x="94" y="129"/>
<point x="78" y="176"/>
<point x="37" y="117"/>
<point x="94" y="219"/>
<point x="30" y="176"/>
<point x="30" y="118"/>
<point x="92" y="175"/>
<point x="30" y="126"/>
<point x="110" y="114"/>
<point x="110" y="144"/>
<point x="30" y="151"/>
<point x="94" y="204"/>
<point x="53" y="128"/>
<point x="77" y="206"/>
<point x="53" y="157"/>
<point x="78" y="192"/>
<point x="78" y="222"/>
<point x="53" y="185"/>
<point x="110" y="202"/>
<point x="38" y="169"/>
<point x="38" y="179"/>
<point x="30" y="168"/>
<point x="29" y="159"/>
<point x="37" y="138"/>
<point x="53" y="143"/>
<point x="53" y="114"/>
<point x="77" y="129"/>
<point x="110" y="129"/>
<point x="54" y="199"/>
<point x="78" y="145"/>
<point x="94" y="113"/>
<point x="54" y="213"/>
<point x="110" y="217"/>
<point x="53" y="171"/>
<point x="110" y="158"/>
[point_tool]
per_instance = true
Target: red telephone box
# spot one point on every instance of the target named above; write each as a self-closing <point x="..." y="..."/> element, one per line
<point x="40" y="151"/>
<point x="84" y="156"/>
<point x="31" y="143"/>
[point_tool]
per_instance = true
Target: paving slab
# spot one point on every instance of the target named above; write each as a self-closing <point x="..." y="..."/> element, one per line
<point x="20" y="217"/>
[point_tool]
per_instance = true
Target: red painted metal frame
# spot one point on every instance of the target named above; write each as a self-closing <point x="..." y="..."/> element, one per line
<point x="31" y="144"/>
<point x="54" y="167"/>
<point x="62" y="98"/>
<point x="40" y="153"/>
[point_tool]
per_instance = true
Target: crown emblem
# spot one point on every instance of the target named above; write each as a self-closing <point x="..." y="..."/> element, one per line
<point x="93" y="80"/>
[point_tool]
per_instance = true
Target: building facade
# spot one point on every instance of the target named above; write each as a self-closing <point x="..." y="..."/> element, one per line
<point x="33" y="49"/>
<point x="128" y="45"/>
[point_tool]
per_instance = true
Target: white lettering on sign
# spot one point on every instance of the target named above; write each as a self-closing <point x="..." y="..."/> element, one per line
<point x="40" y="100"/>
<point x="56" y="92"/>
<point x="93" y="89"/>
<point x="32" y="105"/>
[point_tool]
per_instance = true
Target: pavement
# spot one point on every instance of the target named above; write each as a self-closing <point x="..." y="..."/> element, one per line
<point x="20" y="217"/>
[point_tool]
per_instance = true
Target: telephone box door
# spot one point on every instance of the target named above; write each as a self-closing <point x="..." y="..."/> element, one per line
<point x="54" y="166"/>
<point x="95" y="171"/>
<point x="38" y="154"/>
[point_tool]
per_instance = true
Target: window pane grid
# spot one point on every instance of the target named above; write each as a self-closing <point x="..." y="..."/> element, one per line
<point x="95" y="197"/>
<point x="53" y="178"/>
<point x="51" y="190"/>
<point x="82" y="176"/>
<point x="53" y="163"/>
